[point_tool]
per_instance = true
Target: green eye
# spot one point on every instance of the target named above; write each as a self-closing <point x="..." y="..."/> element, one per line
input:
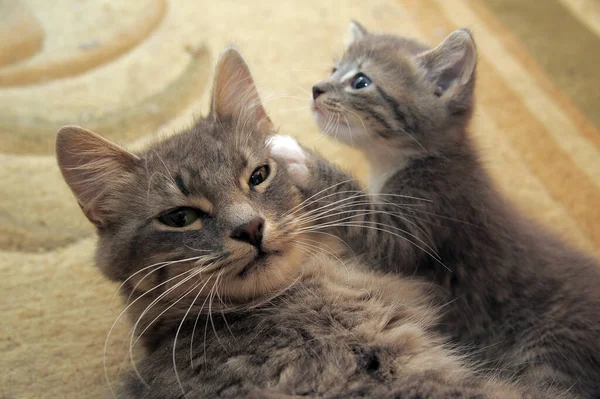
<point x="180" y="217"/>
<point x="259" y="175"/>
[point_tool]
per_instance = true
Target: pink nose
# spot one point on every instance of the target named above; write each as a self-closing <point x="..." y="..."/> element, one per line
<point x="251" y="232"/>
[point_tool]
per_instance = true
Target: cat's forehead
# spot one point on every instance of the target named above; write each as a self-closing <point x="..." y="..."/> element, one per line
<point x="381" y="50"/>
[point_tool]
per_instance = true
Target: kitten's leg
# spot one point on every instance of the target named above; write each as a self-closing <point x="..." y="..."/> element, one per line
<point x="382" y="226"/>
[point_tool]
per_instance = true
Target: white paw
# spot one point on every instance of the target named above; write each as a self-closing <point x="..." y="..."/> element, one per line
<point x="287" y="151"/>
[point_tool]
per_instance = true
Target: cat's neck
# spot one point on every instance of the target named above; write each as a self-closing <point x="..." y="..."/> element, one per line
<point x="384" y="163"/>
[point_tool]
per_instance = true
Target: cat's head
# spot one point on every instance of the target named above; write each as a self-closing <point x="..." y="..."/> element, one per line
<point x="206" y="208"/>
<point x="395" y="91"/>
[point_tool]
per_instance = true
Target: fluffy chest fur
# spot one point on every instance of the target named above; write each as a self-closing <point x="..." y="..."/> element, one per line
<point x="335" y="329"/>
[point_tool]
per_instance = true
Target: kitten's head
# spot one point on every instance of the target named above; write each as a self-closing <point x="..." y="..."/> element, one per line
<point x="397" y="92"/>
<point x="205" y="208"/>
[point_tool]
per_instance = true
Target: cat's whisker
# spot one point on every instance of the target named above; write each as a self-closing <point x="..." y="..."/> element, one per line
<point x="360" y="212"/>
<point x="321" y="247"/>
<point x="107" y="340"/>
<point x="194" y="331"/>
<point x="307" y="201"/>
<point x="360" y="222"/>
<point x="303" y="220"/>
<point x="152" y="304"/>
<point x="345" y="109"/>
<point x="159" y="266"/>
<point x="179" y="329"/>
<point x="329" y="235"/>
<point x="209" y="317"/>
<point x="375" y="227"/>
<point x="355" y="195"/>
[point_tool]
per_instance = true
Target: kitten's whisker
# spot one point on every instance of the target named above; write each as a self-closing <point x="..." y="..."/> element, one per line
<point x="345" y="109"/>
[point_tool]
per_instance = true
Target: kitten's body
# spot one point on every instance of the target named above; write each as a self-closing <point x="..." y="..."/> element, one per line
<point x="518" y="299"/>
<point x="224" y="281"/>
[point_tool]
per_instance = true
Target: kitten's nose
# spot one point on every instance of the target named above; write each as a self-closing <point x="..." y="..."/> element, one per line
<point x="251" y="232"/>
<point x="317" y="91"/>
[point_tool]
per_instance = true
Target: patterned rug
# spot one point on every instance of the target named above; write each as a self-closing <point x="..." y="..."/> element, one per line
<point x="134" y="70"/>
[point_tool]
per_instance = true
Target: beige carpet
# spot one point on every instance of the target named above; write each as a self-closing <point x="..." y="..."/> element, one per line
<point x="133" y="70"/>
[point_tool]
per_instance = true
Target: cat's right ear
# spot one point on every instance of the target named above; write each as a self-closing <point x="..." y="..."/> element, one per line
<point x="235" y="95"/>
<point x="355" y="32"/>
<point x="90" y="164"/>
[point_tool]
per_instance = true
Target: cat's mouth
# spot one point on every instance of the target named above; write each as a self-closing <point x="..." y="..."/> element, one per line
<point x="262" y="259"/>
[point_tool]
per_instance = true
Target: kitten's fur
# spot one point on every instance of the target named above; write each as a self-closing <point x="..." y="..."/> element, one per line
<point x="222" y="317"/>
<point x="519" y="299"/>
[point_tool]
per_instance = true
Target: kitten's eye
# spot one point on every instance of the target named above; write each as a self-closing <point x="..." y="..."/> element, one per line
<point x="360" y="81"/>
<point x="259" y="175"/>
<point x="180" y="217"/>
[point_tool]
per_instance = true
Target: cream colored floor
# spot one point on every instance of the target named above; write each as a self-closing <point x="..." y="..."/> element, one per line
<point x="56" y="309"/>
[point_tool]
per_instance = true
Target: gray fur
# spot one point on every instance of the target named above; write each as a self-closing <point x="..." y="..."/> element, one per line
<point x="518" y="299"/>
<point x="298" y="322"/>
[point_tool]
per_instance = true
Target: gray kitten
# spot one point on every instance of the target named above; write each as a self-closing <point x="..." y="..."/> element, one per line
<point x="230" y="292"/>
<point x="519" y="300"/>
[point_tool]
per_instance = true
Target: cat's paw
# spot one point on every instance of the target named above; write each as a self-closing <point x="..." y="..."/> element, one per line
<point x="287" y="151"/>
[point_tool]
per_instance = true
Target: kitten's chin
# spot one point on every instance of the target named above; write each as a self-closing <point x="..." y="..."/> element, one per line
<point x="338" y="129"/>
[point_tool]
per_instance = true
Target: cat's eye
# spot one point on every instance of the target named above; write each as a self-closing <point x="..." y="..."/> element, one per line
<point x="180" y="217"/>
<point x="259" y="175"/>
<point x="360" y="81"/>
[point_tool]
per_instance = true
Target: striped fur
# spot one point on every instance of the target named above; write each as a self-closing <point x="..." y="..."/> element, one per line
<point x="516" y="298"/>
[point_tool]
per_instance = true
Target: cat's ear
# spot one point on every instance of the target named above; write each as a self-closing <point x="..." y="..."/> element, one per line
<point x="451" y="65"/>
<point x="90" y="164"/>
<point x="235" y="95"/>
<point x="355" y="32"/>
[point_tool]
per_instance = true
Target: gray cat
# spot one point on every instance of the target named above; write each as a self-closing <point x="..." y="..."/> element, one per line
<point x="519" y="300"/>
<point x="231" y="292"/>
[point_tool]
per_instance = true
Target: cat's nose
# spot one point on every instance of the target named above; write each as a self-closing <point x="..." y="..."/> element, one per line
<point x="251" y="232"/>
<point x="317" y="91"/>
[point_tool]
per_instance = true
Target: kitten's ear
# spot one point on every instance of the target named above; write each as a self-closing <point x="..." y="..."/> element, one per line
<point x="90" y="164"/>
<point x="235" y="95"/>
<point x="355" y="32"/>
<point x="451" y="65"/>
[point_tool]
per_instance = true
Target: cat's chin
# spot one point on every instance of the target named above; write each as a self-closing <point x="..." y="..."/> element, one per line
<point x="264" y="274"/>
<point x="261" y="261"/>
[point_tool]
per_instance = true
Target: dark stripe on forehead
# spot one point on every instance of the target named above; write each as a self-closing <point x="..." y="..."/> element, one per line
<point x="181" y="185"/>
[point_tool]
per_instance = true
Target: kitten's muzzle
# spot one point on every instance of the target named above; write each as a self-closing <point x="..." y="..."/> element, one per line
<point x="251" y="232"/>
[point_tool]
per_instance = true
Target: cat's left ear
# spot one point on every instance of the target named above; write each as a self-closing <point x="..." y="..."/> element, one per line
<point x="355" y="33"/>
<point x="235" y="96"/>
<point x="451" y="65"/>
